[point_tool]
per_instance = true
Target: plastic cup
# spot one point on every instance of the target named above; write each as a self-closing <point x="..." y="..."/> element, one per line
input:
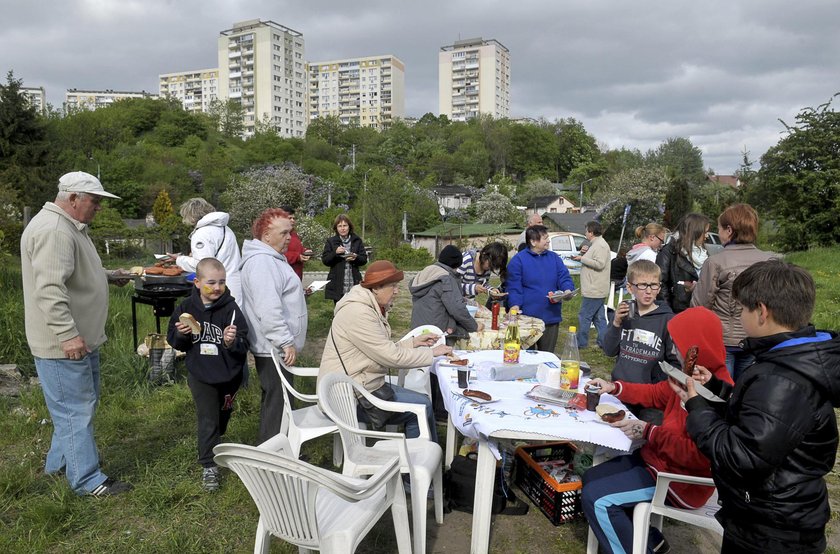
<point x="463" y="377"/>
<point x="593" y="397"/>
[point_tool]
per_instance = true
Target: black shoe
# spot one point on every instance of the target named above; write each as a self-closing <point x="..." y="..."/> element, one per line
<point x="111" y="488"/>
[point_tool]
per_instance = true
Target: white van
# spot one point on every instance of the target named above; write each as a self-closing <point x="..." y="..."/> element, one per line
<point x="566" y="245"/>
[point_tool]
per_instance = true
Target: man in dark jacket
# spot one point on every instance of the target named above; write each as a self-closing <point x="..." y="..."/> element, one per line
<point x="777" y="434"/>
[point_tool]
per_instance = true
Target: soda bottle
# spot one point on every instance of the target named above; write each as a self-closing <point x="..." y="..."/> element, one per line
<point x="512" y="342"/>
<point x="570" y="362"/>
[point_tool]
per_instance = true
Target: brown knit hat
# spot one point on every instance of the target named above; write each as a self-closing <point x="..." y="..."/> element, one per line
<point x="381" y="272"/>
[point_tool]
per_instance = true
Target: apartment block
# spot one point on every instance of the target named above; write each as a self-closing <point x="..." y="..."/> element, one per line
<point x="37" y="98"/>
<point x="196" y="90"/>
<point x="368" y="92"/>
<point x="261" y="66"/>
<point x="473" y="79"/>
<point x="75" y="99"/>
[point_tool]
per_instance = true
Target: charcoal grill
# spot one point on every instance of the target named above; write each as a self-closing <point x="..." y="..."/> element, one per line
<point x="160" y="292"/>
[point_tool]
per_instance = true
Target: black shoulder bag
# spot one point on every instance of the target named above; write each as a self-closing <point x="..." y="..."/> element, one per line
<point x="377" y="417"/>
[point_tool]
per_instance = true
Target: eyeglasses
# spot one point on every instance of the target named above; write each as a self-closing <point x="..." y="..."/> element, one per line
<point x="646" y="286"/>
<point x="660" y="239"/>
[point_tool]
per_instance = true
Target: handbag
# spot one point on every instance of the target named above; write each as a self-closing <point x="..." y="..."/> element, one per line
<point x="377" y="417"/>
<point x="459" y="489"/>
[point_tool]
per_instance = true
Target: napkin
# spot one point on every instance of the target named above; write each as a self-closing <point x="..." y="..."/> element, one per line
<point x="511" y="372"/>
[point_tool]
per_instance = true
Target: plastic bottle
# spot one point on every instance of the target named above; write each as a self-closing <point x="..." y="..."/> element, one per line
<point x="570" y="362"/>
<point x="512" y="342"/>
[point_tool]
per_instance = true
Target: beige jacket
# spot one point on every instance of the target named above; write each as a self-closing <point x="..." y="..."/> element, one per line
<point x="363" y="337"/>
<point x="65" y="288"/>
<point x="714" y="289"/>
<point x="595" y="270"/>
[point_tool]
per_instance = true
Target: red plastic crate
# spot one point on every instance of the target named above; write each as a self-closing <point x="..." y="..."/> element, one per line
<point x="560" y="502"/>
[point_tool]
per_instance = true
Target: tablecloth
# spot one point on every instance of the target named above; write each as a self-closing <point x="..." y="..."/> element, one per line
<point x="530" y="331"/>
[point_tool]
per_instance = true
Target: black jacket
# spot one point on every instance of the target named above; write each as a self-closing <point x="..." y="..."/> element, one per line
<point x="217" y="364"/>
<point x="640" y="344"/>
<point x="335" y="288"/>
<point x="774" y="441"/>
<point x="675" y="267"/>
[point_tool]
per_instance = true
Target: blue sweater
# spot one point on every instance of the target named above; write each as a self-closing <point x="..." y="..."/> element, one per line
<point x="530" y="277"/>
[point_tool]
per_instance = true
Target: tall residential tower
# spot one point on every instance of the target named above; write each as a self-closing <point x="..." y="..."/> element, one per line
<point x="473" y="79"/>
<point x="369" y="92"/>
<point x="261" y="66"/>
<point x="196" y="90"/>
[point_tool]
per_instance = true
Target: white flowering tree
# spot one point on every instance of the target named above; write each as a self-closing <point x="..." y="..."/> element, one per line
<point x="494" y="207"/>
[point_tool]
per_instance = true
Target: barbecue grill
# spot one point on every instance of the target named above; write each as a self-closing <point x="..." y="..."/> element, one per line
<point x="160" y="292"/>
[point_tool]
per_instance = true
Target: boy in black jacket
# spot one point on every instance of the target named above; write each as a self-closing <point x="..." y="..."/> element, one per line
<point x="215" y="358"/>
<point x="776" y="436"/>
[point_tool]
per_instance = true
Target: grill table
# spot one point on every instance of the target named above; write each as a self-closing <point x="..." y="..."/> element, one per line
<point x="161" y="297"/>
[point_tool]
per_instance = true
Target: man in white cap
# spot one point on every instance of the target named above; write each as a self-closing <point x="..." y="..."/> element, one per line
<point x="65" y="293"/>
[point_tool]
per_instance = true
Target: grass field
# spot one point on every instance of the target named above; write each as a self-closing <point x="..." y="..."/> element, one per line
<point x="146" y="436"/>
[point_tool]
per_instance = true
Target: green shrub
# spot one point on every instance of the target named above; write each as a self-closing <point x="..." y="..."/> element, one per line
<point x="405" y="257"/>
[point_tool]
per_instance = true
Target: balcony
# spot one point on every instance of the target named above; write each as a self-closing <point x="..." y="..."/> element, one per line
<point x="235" y="74"/>
<point x="236" y="54"/>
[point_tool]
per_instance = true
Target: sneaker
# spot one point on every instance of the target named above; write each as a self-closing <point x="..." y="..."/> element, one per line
<point x="210" y="479"/>
<point x="111" y="488"/>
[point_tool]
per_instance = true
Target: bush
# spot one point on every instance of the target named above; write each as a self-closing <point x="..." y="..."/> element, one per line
<point x="406" y="257"/>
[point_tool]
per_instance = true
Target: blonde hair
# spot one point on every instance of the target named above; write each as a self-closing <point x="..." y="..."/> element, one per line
<point x="208" y="263"/>
<point x="651" y="228"/>
<point x="194" y="209"/>
<point x="642" y="267"/>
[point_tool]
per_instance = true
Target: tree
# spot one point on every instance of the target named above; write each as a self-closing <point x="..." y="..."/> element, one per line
<point x="682" y="157"/>
<point x="255" y="190"/>
<point x="227" y="117"/>
<point x="534" y="189"/>
<point x="162" y="207"/>
<point x="574" y="146"/>
<point x="800" y="177"/>
<point x="23" y="147"/>
<point x="497" y="208"/>
<point x="678" y="202"/>
<point x="643" y="189"/>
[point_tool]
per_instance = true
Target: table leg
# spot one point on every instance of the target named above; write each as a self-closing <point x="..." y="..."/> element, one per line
<point x="483" y="501"/>
<point x="450" y="443"/>
<point x="134" y="321"/>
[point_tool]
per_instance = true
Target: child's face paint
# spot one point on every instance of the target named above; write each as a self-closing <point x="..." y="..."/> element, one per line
<point x="211" y="286"/>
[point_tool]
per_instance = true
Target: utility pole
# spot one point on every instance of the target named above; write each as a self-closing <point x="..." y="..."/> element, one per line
<point x="353" y="156"/>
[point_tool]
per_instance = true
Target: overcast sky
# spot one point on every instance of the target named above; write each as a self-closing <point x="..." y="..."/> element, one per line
<point x="719" y="72"/>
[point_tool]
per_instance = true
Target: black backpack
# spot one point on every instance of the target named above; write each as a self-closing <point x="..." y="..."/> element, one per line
<point x="459" y="489"/>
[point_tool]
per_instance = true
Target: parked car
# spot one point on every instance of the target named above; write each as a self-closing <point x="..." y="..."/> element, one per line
<point x="566" y="245"/>
<point x="713" y="244"/>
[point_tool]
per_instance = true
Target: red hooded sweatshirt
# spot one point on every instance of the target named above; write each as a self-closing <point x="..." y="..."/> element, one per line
<point x="669" y="447"/>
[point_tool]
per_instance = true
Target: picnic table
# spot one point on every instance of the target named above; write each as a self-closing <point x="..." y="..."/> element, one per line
<point x="530" y="331"/>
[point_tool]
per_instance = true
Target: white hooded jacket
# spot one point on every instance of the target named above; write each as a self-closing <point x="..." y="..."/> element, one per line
<point x="212" y="238"/>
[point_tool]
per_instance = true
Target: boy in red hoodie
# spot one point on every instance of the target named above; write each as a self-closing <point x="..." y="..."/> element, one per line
<point x="612" y="489"/>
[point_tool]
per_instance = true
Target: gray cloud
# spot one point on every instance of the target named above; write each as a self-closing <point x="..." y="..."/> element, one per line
<point x="634" y="73"/>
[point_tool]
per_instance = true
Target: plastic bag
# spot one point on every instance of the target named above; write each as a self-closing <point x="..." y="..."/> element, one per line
<point x="161" y="359"/>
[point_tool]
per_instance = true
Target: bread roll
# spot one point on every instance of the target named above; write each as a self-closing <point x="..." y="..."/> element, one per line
<point x="609" y="413"/>
<point x="189" y="320"/>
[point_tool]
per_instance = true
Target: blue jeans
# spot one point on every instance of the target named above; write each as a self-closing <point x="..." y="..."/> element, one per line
<point x="591" y="311"/>
<point x="737" y="361"/>
<point x="71" y="390"/>
<point x="610" y="492"/>
<point x="412" y="429"/>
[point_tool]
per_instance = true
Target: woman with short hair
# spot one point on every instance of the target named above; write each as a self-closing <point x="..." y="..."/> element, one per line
<point x="344" y="253"/>
<point x="738" y="230"/>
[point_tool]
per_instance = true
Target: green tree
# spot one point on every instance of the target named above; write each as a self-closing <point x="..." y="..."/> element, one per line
<point x="574" y="146"/>
<point x="678" y="202"/>
<point x="684" y="159"/>
<point x="533" y="152"/>
<point x="227" y="116"/>
<point x="162" y="207"/>
<point x="23" y="148"/>
<point x="800" y="176"/>
<point x="534" y="189"/>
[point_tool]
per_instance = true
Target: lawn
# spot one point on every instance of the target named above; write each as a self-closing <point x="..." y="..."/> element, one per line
<point x="146" y="436"/>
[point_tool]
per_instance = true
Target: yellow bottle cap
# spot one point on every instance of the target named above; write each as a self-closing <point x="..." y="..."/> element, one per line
<point x="572" y="329"/>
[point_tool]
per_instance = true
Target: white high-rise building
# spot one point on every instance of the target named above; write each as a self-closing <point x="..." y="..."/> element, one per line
<point x="37" y="98"/>
<point x="261" y="66"/>
<point x="196" y="90"/>
<point x="473" y="79"/>
<point x="369" y="91"/>
<point x="75" y="99"/>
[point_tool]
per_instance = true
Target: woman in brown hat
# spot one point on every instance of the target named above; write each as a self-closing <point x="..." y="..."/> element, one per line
<point x="359" y="343"/>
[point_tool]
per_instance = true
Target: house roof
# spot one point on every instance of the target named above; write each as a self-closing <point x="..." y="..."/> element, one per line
<point x="572" y="222"/>
<point x="452" y="190"/>
<point x="543" y="201"/>
<point x="731" y="180"/>
<point x="468" y="230"/>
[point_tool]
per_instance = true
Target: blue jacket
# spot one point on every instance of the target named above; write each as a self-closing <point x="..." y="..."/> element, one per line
<point x="530" y="277"/>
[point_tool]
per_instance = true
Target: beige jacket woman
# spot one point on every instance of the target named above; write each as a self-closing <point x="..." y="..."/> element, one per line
<point x="363" y="337"/>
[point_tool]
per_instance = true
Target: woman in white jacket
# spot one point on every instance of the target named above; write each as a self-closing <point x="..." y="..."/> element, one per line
<point x="212" y="238"/>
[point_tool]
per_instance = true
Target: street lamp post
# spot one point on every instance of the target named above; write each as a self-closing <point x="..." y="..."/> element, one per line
<point x="364" y="205"/>
<point x="581" y="192"/>
<point x="97" y="166"/>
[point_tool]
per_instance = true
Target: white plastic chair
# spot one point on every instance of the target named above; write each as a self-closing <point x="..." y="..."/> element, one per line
<point x="305" y="423"/>
<point x="420" y="458"/>
<point x="417" y="379"/>
<point x="646" y="513"/>
<point x="311" y="507"/>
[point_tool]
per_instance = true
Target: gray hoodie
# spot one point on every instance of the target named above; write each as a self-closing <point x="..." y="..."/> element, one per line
<point x="437" y="300"/>
<point x="273" y="300"/>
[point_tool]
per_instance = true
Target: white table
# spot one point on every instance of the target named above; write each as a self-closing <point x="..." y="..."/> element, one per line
<point x="512" y="416"/>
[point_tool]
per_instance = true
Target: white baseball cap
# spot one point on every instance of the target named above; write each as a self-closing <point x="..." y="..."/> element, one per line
<point x="79" y="181"/>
